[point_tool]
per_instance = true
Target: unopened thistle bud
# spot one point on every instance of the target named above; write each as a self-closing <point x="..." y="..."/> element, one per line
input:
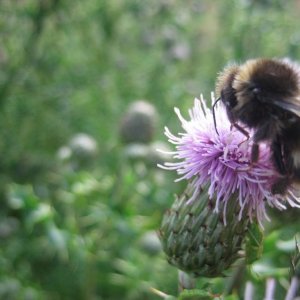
<point x="138" y="123"/>
<point x="195" y="238"/>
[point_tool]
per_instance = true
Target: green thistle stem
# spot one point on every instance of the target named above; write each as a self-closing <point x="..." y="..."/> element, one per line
<point x="185" y="282"/>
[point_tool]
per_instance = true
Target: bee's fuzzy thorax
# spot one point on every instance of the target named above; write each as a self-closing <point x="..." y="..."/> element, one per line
<point x="270" y="76"/>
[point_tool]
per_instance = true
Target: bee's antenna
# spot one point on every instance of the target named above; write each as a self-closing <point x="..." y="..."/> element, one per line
<point x="214" y="115"/>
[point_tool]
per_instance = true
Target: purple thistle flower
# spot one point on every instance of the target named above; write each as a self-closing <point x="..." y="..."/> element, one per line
<point x="223" y="161"/>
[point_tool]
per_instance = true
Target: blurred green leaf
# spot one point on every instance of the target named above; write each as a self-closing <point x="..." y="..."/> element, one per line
<point x="76" y="204"/>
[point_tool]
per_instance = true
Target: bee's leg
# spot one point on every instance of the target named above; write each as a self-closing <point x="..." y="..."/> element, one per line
<point x="241" y="129"/>
<point x="254" y="153"/>
<point x="277" y="156"/>
<point x="255" y="147"/>
<point x="290" y="167"/>
<point x="280" y="186"/>
<point x="254" y="156"/>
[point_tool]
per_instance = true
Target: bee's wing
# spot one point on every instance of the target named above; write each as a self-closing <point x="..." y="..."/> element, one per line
<point x="290" y="105"/>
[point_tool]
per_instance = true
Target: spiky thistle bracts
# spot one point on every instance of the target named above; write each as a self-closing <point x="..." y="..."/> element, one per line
<point x="194" y="237"/>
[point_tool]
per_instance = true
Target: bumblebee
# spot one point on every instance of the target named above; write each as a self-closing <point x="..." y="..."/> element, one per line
<point x="264" y="95"/>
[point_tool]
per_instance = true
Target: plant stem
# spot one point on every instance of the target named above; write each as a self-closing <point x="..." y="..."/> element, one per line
<point x="185" y="282"/>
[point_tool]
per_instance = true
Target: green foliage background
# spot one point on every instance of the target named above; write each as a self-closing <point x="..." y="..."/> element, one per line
<point x="69" y="67"/>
